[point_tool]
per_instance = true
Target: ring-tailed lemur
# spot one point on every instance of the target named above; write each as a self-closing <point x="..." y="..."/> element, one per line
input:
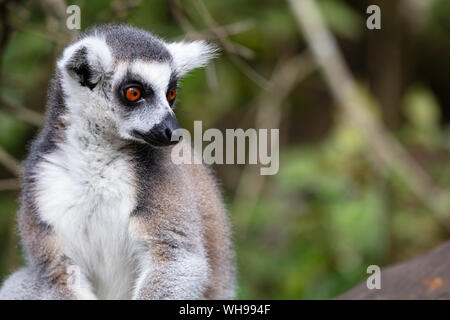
<point x="102" y="203"/>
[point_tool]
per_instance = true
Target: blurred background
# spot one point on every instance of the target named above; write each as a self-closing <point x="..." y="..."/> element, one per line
<point x="363" y="114"/>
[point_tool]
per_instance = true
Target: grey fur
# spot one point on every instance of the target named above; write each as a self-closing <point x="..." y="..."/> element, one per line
<point x="26" y="284"/>
<point x="179" y="212"/>
<point x="128" y="43"/>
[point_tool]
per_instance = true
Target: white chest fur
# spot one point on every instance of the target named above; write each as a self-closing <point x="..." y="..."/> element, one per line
<point x="85" y="192"/>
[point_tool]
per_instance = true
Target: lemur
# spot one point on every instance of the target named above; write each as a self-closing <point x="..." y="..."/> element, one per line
<point x="102" y="203"/>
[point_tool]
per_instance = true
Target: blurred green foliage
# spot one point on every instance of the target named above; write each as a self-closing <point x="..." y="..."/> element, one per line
<point x="332" y="210"/>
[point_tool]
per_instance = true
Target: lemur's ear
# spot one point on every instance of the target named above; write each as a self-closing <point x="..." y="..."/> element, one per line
<point x="190" y="55"/>
<point x="87" y="61"/>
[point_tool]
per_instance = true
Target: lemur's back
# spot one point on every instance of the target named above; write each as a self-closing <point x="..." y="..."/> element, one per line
<point x="105" y="212"/>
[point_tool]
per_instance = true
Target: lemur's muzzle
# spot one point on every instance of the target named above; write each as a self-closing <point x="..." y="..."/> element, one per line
<point x="161" y="134"/>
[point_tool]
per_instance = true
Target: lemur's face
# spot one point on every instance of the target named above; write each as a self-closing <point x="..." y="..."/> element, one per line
<point x="144" y="93"/>
<point x="124" y="81"/>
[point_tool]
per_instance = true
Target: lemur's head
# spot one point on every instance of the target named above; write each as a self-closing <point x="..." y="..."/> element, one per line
<point x="123" y="81"/>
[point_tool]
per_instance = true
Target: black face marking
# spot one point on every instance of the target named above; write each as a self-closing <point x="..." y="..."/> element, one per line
<point x="139" y="88"/>
<point x="173" y="84"/>
<point x="79" y="66"/>
<point x="134" y="80"/>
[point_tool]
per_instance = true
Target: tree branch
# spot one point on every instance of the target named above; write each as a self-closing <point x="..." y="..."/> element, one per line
<point x="9" y="184"/>
<point x="9" y="162"/>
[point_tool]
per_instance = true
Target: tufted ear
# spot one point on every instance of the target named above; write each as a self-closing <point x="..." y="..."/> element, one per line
<point x="86" y="61"/>
<point x="190" y="55"/>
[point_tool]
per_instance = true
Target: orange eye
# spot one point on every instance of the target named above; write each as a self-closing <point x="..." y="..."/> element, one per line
<point x="171" y="94"/>
<point x="132" y="94"/>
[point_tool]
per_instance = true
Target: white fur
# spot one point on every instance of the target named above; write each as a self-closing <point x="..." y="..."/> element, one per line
<point x="86" y="191"/>
<point x="156" y="73"/>
<point x="190" y="55"/>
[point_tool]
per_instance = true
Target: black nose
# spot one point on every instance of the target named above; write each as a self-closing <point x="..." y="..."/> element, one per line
<point x="161" y="134"/>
